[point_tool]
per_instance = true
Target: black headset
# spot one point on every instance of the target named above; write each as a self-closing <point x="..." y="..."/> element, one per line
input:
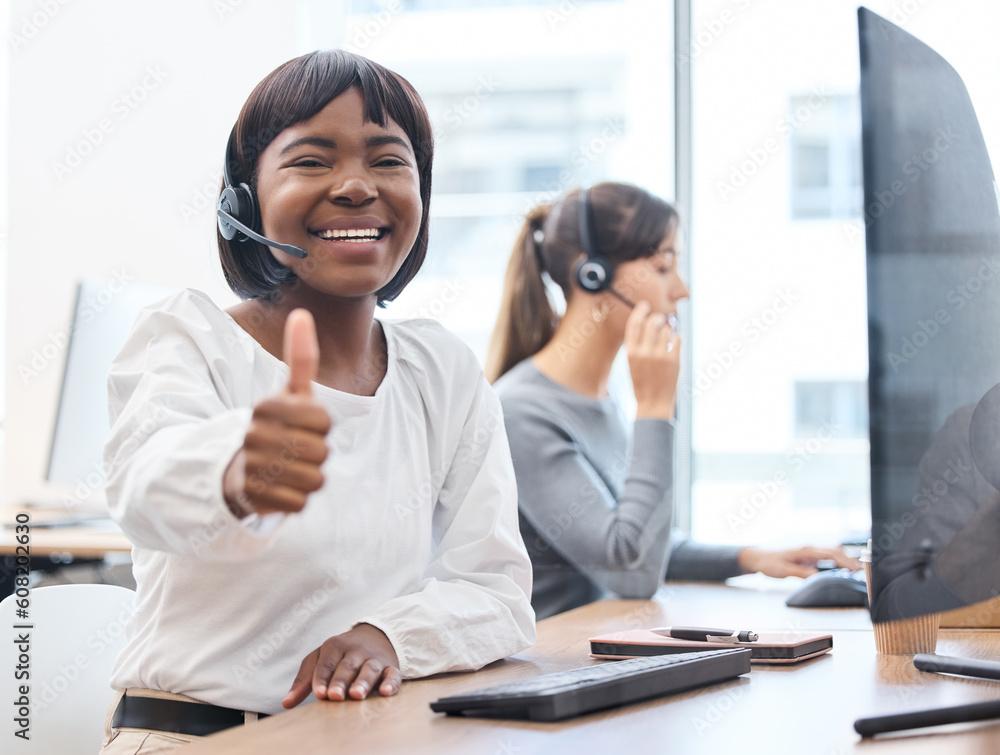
<point x="237" y="212"/>
<point x="595" y="273"/>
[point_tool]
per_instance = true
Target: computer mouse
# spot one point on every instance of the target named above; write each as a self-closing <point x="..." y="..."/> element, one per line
<point x="836" y="588"/>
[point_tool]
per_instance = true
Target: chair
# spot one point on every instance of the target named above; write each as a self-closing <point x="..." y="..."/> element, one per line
<point x="74" y="635"/>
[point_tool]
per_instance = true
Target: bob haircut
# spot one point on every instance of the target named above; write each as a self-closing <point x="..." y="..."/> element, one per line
<point x="295" y="92"/>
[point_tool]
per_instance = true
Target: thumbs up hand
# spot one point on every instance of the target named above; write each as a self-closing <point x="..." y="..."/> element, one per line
<point x="301" y="351"/>
<point x="285" y="446"/>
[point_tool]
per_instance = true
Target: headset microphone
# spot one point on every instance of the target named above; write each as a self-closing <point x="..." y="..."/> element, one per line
<point x="237" y="211"/>
<point x="593" y="274"/>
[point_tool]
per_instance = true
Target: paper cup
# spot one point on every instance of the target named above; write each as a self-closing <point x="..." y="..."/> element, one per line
<point x="906" y="636"/>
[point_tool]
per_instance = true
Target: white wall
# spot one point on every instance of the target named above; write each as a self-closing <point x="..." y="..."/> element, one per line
<point x="123" y="207"/>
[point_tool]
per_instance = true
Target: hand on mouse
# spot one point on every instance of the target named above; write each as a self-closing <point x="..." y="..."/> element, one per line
<point x="285" y="445"/>
<point x="797" y="562"/>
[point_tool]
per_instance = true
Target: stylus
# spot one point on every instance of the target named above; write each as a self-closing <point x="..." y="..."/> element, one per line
<point x="947" y="664"/>
<point x="869" y="727"/>
<point x="706" y="634"/>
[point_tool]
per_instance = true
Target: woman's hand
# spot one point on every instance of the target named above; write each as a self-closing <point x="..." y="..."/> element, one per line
<point x="654" y="352"/>
<point x="351" y="664"/>
<point x="799" y="562"/>
<point x="285" y="446"/>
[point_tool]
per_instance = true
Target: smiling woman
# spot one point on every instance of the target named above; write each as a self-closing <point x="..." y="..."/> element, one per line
<point x="346" y="189"/>
<point x="384" y="112"/>
<point x="596" y="496"/>
<point x="322" y="504"/>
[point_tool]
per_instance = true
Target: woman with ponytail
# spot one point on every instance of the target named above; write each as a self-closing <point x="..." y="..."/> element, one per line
<point x="595" y="499"/>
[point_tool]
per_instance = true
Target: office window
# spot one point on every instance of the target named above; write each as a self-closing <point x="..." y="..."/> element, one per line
<point x="825" y="155"/>
<point x="778" y="309"/>
<point x="538" y="177"/>
<point x="544" y="102"/>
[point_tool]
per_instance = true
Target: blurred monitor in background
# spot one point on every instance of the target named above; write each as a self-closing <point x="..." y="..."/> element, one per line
<point x="102" y="319"/>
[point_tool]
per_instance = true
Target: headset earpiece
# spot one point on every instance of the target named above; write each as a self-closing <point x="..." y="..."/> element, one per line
<point x="237" y="201"/>
<point x="594" y="273"/>
<point x="237" y="212"/>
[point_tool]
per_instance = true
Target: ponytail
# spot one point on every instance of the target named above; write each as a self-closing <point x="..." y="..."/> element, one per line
<point x="630" y="223"/>
<point x="526" y="320"/>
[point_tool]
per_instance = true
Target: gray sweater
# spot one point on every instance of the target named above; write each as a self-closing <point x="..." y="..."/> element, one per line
<point x="595" y="513"/>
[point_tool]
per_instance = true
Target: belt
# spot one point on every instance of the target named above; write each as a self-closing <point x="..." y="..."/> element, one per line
<point x="177" y="716"/>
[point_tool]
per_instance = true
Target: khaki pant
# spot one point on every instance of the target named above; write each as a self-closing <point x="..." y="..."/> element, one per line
<point x="146" y="741"/>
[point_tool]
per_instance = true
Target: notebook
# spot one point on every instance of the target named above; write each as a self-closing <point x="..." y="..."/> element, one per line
<point x="771" y="647"/>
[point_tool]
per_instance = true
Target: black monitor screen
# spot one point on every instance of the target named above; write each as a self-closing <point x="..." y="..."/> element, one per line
<point x="933" y="264"/>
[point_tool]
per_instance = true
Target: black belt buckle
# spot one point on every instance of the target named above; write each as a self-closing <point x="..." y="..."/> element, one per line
<point x="175" y="716"/>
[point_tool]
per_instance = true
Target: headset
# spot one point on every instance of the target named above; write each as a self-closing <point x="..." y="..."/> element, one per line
<point x="237" y="211"/>
<point x="595" y="273"/>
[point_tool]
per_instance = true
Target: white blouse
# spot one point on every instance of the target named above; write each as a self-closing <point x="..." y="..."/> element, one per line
<point x="414" y="532"/>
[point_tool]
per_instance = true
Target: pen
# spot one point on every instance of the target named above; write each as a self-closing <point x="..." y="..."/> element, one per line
<point x="869" y="727"/>
<point x="946" y="664"/>
<point x="706" y="634"/>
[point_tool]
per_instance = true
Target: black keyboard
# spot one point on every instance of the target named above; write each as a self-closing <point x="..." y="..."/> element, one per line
<point x="564" y="694"/>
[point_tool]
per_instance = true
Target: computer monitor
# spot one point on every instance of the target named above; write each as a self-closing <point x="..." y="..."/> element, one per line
<point x="103" y="315"/>
<point x="933" y="269"/>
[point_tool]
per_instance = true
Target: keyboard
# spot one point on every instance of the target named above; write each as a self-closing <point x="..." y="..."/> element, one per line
<point x="564" y="694"/>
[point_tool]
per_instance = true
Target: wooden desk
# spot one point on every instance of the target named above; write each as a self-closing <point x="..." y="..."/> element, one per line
<point x="805" y="708"/>
<point x="78" y="542"/>
<point x="74" y="541"/>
